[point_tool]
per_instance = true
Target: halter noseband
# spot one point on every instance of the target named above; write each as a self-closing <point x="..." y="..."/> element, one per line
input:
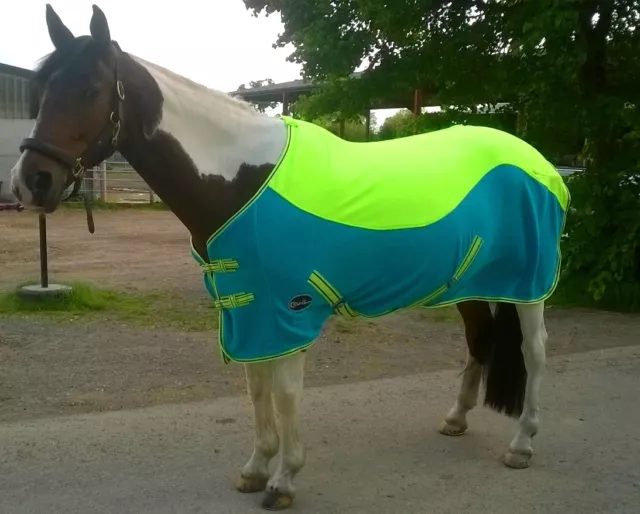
<point x="102" y="147"/>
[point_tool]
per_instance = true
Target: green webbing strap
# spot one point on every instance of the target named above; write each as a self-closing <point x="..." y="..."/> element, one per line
<point x="331" y="295"/>
<point x="469" y="257"/>
<point x="220" y="266"/>
<point x="234" y="300"/>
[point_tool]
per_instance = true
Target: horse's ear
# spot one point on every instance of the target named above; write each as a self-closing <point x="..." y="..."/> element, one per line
<point x="99" y="26"/>
<point x="58" y="32"/>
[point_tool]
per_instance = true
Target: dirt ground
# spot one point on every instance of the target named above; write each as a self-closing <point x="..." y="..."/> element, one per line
<point x="49" y="368"/>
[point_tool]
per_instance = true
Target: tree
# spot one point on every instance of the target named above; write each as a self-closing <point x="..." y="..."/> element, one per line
<point x="568" y="69"/>
<point x="354" y="129"/>
<point x="260" y="106"/>
<point x="398" y="125"/>
<point x="404" y="123"/>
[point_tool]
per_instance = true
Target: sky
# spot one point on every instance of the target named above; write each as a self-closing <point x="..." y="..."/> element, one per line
<point x="215" y="42"/>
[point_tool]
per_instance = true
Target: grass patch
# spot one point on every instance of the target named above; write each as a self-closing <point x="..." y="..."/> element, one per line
<point x="82" y="299"/>
<point x="100" y="205"/>
<point x="157" y="310"/>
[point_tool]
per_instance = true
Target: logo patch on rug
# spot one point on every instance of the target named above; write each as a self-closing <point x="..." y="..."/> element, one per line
<point x="300" y="302"/>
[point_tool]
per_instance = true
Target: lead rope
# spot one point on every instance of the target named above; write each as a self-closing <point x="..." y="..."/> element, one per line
<point x="86" y="201"/>
<point x="87" y="208"/>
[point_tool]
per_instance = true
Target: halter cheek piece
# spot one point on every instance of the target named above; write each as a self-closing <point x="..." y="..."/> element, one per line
<point x="102" y="147"/>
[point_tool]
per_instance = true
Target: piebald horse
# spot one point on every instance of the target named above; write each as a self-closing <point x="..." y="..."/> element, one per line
<point x="209" y="156"/>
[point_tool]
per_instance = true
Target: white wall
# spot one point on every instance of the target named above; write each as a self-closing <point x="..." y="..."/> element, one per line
<point x="11" y="133"/>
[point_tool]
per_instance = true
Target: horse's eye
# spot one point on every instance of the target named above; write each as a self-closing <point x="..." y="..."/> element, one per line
<point x="91" y="93"/>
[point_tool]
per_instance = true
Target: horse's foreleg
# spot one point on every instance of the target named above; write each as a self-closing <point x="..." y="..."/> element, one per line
<point x="255" y="474"/>
<point x="478" y="322"/>
<point x="288" y="377"/>
<point x="534" y="336"/>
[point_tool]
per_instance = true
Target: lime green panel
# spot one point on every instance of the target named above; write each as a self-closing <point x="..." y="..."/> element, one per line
<point x="402" y="183"/>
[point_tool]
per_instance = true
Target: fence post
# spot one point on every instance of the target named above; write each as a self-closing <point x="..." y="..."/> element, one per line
<point x="88" y="182"/>
<point x="103" y="182"/>
<point x="152" y="197"/>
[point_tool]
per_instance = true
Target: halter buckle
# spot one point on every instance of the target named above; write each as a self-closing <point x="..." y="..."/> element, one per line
<point x="78" y="169"/>
<point x="120" y="89"/>
<point x="116" y="128"/>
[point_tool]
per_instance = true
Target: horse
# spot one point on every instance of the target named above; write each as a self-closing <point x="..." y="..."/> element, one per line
<point x="291" y="225"/>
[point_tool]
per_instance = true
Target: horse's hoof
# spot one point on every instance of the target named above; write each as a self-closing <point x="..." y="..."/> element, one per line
<point x="518" y="460"/>
<point x="453" y="429"/>
<point x="251" y="484"/>
<point x="275" y="500"/>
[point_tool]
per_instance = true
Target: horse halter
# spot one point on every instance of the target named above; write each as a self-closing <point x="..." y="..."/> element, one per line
<point x="102" y="147"/>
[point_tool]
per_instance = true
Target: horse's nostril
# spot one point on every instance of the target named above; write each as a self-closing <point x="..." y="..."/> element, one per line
<point x="40" y="182"/>
<point x="44" y="179"/>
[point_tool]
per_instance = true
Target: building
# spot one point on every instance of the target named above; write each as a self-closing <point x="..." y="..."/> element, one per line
<point x="15" y="122"/>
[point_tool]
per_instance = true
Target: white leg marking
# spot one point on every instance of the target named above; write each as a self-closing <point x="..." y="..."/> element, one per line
<point x="288" y="378"/>
<point x="534" y="336"/>
<point x="456" y="420"/>
<point x="255" y="473"/>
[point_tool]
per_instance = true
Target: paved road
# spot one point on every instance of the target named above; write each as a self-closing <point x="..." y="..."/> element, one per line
<point x="373" y="448"/>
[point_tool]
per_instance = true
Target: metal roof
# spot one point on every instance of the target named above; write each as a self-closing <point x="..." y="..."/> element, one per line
<point x="15" y="71"/>
<point x="280" y="87"/>
<point x="296" y="88"/>
<point x="274" y="92"/>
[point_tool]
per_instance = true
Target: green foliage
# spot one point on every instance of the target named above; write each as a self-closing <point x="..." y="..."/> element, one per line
<point x="400" y="124"/>
<point x="260" y="106"/>
<point x="354" y="129"/>
<point x="404" y="123"/>
<point x="569" y="70"/>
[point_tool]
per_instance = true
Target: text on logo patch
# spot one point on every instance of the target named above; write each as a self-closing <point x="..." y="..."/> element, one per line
<point x="300" y="302"/>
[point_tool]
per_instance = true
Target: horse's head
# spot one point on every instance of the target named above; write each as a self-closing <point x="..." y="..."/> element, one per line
<point x="77" y="99"/>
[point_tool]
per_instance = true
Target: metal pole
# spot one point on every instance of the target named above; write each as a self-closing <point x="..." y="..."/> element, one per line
<point x="417" y="108"/>
<point x="44" y="271"/>
<point x="367" y="125"/>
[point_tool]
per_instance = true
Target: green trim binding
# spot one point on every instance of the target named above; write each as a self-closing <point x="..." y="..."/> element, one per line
<point x="228" y="358"/>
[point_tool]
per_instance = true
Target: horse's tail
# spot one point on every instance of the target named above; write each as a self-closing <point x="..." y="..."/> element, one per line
<point x="499" y="349"/>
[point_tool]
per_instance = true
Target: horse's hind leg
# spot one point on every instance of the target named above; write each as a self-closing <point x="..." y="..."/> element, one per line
<point x="288" y="377"/>
<point x="255" y="474"/>
<point x="478" y="321"/>
<point x="534" y="336"/>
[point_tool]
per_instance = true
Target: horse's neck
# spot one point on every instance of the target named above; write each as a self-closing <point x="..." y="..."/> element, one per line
<point x="209" y="155"/>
